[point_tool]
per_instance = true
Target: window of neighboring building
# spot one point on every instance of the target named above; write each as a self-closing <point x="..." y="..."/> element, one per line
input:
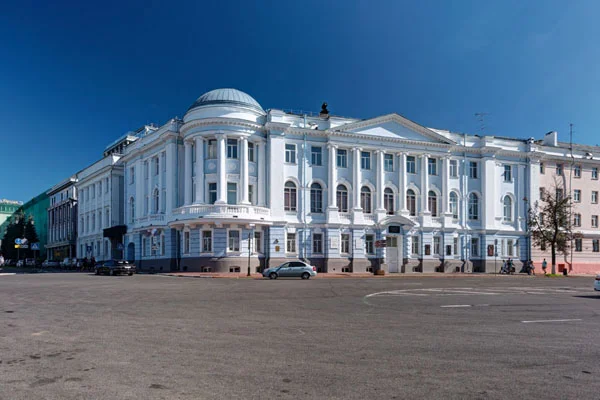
<point x="509" y="247"/>
<point x="365" y="199"/>
<point x="317" y="243"/>
<point x="577" y="220"/>
<point x="559" y="169"/>
<point x="251" y="152"/>
<point x="388" y="162"/>
<point x="473" y="173"/>
<point x="578" y="245"/>
<point x="232" y="148"/>
<point x="345" y="243"/>
<point x="414" y="248"/>
<point x="507" y="209"/>
<point x="316" y="198"/>
<point x="365" y="160"/>
<point x="212" y="192"/>
<point x="473" y="207"/>
<point x="455" y="245"/>
<point x="186" y="242"/>
<point x="290" y="243"/>
<point x="342" y="158"/>
<point x="290" y="153"/>
<point x="231" y="193"/>
<point x="596" y="245"/>
<point x="233" y="240"/>
<point x="370" y="244"/>
<point x="212" y="149"/>
<point x="453" y="169"/>
<point x="542" y="168"/>
<point x="411" y="165"/>
<point x="342" y="198"/>
<point x="290" y="199"/>
<point x="577" y="195"/>
<point x="316" y="155"/>
<point x="594" y="221"/>
<point x="257" y="242"/>
<point x="388" y="201"/>
<point x="454" y="205"/>
<point x="432" y="203"/>
<point x="559" y="194"/>
<point x="432" y="166"/>
<point x="436" y="245"/>
<point x="594" y="173"/>
<point x="594" y="197"/>
<point x="475" y="247"/>
<point x="206" y="241"/>
<point x="507" y="173"/>
<point x="411" y="202"/>
<point x="577" y="171"/>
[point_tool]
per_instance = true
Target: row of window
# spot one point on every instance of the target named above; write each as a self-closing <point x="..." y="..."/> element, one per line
<point x="576" y="170"/>
<point x="577" y="220"/>
<point x="90" y="221"/>
<point x="576" y="195"/>
<point x="89" y="192"/>
<point x="96" y="250"/>
<point x="233" y="241"/>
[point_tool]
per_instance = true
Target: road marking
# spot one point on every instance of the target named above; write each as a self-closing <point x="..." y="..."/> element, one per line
<point x="7" y="273"/>
<point x="551" y="320"/>
<point x="456" y="306"/>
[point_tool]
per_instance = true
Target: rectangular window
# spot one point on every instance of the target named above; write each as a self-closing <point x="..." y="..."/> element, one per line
<point x="106" y="186"/>
<point x="251" y="152"/>
<point x="559" y="194"/>
<point x="212" y="193"/>
<point x="473" y="170"/>
<point x="411" y="165"/>
<point x="577" y="195"/>
<point x="146" y="170"/>
<point x="507" y="173"/>
<point x="317" y="243"/>
<point x="596" y="245"/>
<point x="455" y="246"/>
<point x="414" y="248"/>
<point x="577" y="171"/>
<point x="453" y="169"/>
<point x="388" y="162"/>
<point x="99" y="189"/>
<point x="578" y="245"/>
<point x="316" y="155"/>
<point x="365" y="160"/>
<point x="594" y="221"/>
<point x="206" y="241"/>
<point x="559" y="169"/>
<point x="475" y="247"/>
<point x="144" y="247"/>
<point x="594" y="173"/>
<point x="342" y="158"/>
<point x="231" y="193"/>
<point x="156" y="166"/>
<point x="251" y="194"/>
<point x="232" y="148"/>
<point x="290" y="243"/>
<point x="186" y="242"/>
<point x="542" y="168"/>
<point x="234" y="240"/>
<point x="509" y="248"/>
<point x="257" y="242"/>
<point x="594" y="197"/>
<point x="163" y="161"/>
<point x="577" y="219"/>
<point x="212" y="149"/>
<point x="370" y="244"/>
<point x="290" y="153"/>
<point x="345" y="245"/>
<point x="436" y="245"/>
<point x="432" y="166"/>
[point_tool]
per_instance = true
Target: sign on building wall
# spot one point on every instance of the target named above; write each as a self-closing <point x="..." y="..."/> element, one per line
<point x="334" y="243"/>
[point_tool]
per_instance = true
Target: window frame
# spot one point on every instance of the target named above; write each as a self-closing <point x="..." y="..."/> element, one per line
<point x="432" y="164"/>
<point x="577" y="195"/>
<point x="366" y="199"/>
<point x="316" y="198"/>
<point x="290" y="153"/>
<point x="415" y="248"/>
<point x="411" y="165"/>
<point x="232" y="240"/>
<point x="577" y="171"/>
<point x="211" y="192"/>
<point x="453" y="168"/>
<point x="389" y="201"/>
<point x="232" y="148"/>
<point x="290" y="197"/>
<point x="369" y="244"/>
<point x="316" y="157"/>
<point x="507" y="173"/>
<point x="473" y="207"/>
<point x="507" y="209"/>
<point x="342" y="195"/>
<point x="345" y="242"/>
<point x="473" y="170"/>
<point x="207" y="239"/>
<point x="317" y="243"/>
<point x="341" y="157"/>
<point x="388" y="162"/>
<point x="251" y="157"/>
<point x="365" y="160"/>
<point x="291" y="243"/>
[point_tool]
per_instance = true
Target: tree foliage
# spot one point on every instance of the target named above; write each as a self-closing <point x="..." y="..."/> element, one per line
<point x="20" y="226"/>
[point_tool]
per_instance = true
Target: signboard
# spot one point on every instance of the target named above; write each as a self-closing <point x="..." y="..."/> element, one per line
<point x="120" y="246"/>
<point x="490" y="249"/>
<point x="17" y="241"/>
<point x="35" y="246"/>
<point x="334" y="243"/>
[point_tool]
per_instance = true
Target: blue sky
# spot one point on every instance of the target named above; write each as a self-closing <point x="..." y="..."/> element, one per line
<point x="76" y="75"/>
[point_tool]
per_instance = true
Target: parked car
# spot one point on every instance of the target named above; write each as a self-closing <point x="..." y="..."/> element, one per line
<point x="69" y="263"/>
<point x="115" y="267"/>
<point x="10" y="262"/>
<point x="20" y="263"/>
<point x="292" y="269"/>
<point x="50" y="263"/>
<point x="30" y="262"/>
<point x="597" y="283"/>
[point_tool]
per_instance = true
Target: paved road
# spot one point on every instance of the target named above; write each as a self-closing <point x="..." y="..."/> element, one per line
<point x="78" y="336"/>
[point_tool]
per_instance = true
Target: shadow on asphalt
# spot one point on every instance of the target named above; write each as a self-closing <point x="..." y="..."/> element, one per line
<point x="589" y="296"/>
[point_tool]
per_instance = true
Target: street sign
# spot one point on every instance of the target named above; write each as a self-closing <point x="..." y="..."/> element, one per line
<point x="35" y="246"/>
<point x="120" y="246"/>
<point x="17" y="241"/>
<point x="24" y="246"/>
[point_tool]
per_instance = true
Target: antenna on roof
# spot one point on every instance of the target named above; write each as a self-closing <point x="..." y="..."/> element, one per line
<point x="481" y="118"/>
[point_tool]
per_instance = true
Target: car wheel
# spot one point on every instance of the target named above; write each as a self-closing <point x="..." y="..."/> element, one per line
<point x="272" y="275"/>
<point x="130" y="273"/>
<point x="97" y="272"/>
<point x="305" y="275"/>
<point x="112" y="272"/>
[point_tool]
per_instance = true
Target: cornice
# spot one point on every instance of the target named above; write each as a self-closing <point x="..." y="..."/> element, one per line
<point x="239" y="123"/>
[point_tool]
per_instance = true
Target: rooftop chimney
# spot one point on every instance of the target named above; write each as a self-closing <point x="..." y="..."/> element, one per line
<point x="551" y="139"/>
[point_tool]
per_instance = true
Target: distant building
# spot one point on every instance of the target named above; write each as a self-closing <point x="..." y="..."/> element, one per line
<point x="36" y="209"/>
<point x="7" y="209"/>
<point x="62" y="220"/>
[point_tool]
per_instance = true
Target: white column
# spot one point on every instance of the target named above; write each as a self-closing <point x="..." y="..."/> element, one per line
<point x="171" y="176"/>
<point x="261" y="165"/>
<point x="244" y="171"/>
<point x="199" y="170"/>
<point x="380" y="179"/>
<point x="149" y="184"/>
<point x="356" y="177"/>
<point x="139" y="190"/>
<point x="221" y="169"/>
<point x="424" y="184"/>
<point x="332" y="177"/>
<point x="403" y="183"/>
<point x="187" y="184"/>
<point x="445" y="194"/>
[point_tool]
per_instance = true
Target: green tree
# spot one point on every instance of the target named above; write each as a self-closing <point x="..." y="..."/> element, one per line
<point x="14" y="230"/>
<point x="550" y="222"/>
<point x="30" y="234"/>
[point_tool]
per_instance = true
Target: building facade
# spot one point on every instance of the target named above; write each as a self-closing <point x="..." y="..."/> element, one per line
<point x="232" y="185"/>
<point x="62" y="220"/>
<point x="7" y="209"/>
<point x="36" y="209"/>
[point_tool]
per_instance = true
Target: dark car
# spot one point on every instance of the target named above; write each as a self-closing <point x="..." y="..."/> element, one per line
<point x="115" y="267"/>
<point x="297" y="269"/>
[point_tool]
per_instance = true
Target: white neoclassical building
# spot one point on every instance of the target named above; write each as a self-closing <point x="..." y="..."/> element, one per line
<point x="232" y="184"/>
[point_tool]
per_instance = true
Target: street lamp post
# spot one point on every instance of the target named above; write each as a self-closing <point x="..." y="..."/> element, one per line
<point x="249" y="251"/>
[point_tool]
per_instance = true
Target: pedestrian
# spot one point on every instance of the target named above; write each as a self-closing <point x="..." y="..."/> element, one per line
<point x="510" y="266"/>
<point x="544" y="266"/>
<point x="531" y="267"/>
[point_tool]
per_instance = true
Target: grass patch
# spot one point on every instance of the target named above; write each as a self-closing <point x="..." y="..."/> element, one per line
<point x="554" y="275"/>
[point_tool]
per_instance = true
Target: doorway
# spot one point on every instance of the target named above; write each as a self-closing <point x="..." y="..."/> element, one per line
<point x="393" y="253"/>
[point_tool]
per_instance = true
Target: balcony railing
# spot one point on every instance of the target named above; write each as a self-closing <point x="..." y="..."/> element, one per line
<point x="151" y="218"/>
<point x="224" y="211"/>
<point x="370" y="218"/>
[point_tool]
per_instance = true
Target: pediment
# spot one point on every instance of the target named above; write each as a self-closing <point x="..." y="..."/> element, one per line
<point x="393" y="126"/>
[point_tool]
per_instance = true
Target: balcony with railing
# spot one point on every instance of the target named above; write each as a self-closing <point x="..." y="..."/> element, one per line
<point x="223" y="211"/>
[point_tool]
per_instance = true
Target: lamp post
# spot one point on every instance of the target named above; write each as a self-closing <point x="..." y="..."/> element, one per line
<point x="250" y="234"/>
<point x="527" y="239"/>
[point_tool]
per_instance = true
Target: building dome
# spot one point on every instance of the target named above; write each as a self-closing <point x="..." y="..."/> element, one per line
<point x="227" y="97"/>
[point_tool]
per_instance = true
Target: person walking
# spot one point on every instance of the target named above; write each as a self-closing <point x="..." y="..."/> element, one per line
<point x="544" y="266"/>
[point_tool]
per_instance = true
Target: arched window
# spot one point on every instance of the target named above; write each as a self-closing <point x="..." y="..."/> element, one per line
<point x="473" y="207"/>
<point x="342" y="198"/>
<point x="388" y="201"/>
<point x="454" y="205"/>
<point x="155" y="201"/>
<point x="316" y="198"/>
<point x="131" y="210"/>
<point x="432" y="203"/>
<point x="365" y="199"/>
<point x="507" y="208"/>
<point x="411" y="202"/>
<point x="290" y="198"/>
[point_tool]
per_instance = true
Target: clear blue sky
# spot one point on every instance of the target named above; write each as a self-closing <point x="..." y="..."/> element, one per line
<point x="76" y="75"/>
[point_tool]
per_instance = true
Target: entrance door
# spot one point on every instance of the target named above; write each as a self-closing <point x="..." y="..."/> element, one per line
<point x="393" y="253"/>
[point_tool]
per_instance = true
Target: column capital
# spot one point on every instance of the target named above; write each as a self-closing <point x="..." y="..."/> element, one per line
<point x="379" y="151"/>
<point x="188" y="142"/>
<point x="332" y="146"/>
<point x="356" y="148"/>
<point x="243" y="138"/>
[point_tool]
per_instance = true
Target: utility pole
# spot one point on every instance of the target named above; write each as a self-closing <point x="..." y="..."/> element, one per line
<point x="570" y="187"/>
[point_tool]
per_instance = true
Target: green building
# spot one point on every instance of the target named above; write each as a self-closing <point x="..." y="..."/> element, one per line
<point x="7" y="209"/>
<point x="37" y="208"/>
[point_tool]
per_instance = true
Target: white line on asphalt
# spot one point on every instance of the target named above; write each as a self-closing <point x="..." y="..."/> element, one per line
<point x="7" y="273"/>
<point x="551" y="320"/>
<point x="456" y="306"/>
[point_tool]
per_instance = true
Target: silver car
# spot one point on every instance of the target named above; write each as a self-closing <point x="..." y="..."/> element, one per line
<point x="292" y="269"/>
